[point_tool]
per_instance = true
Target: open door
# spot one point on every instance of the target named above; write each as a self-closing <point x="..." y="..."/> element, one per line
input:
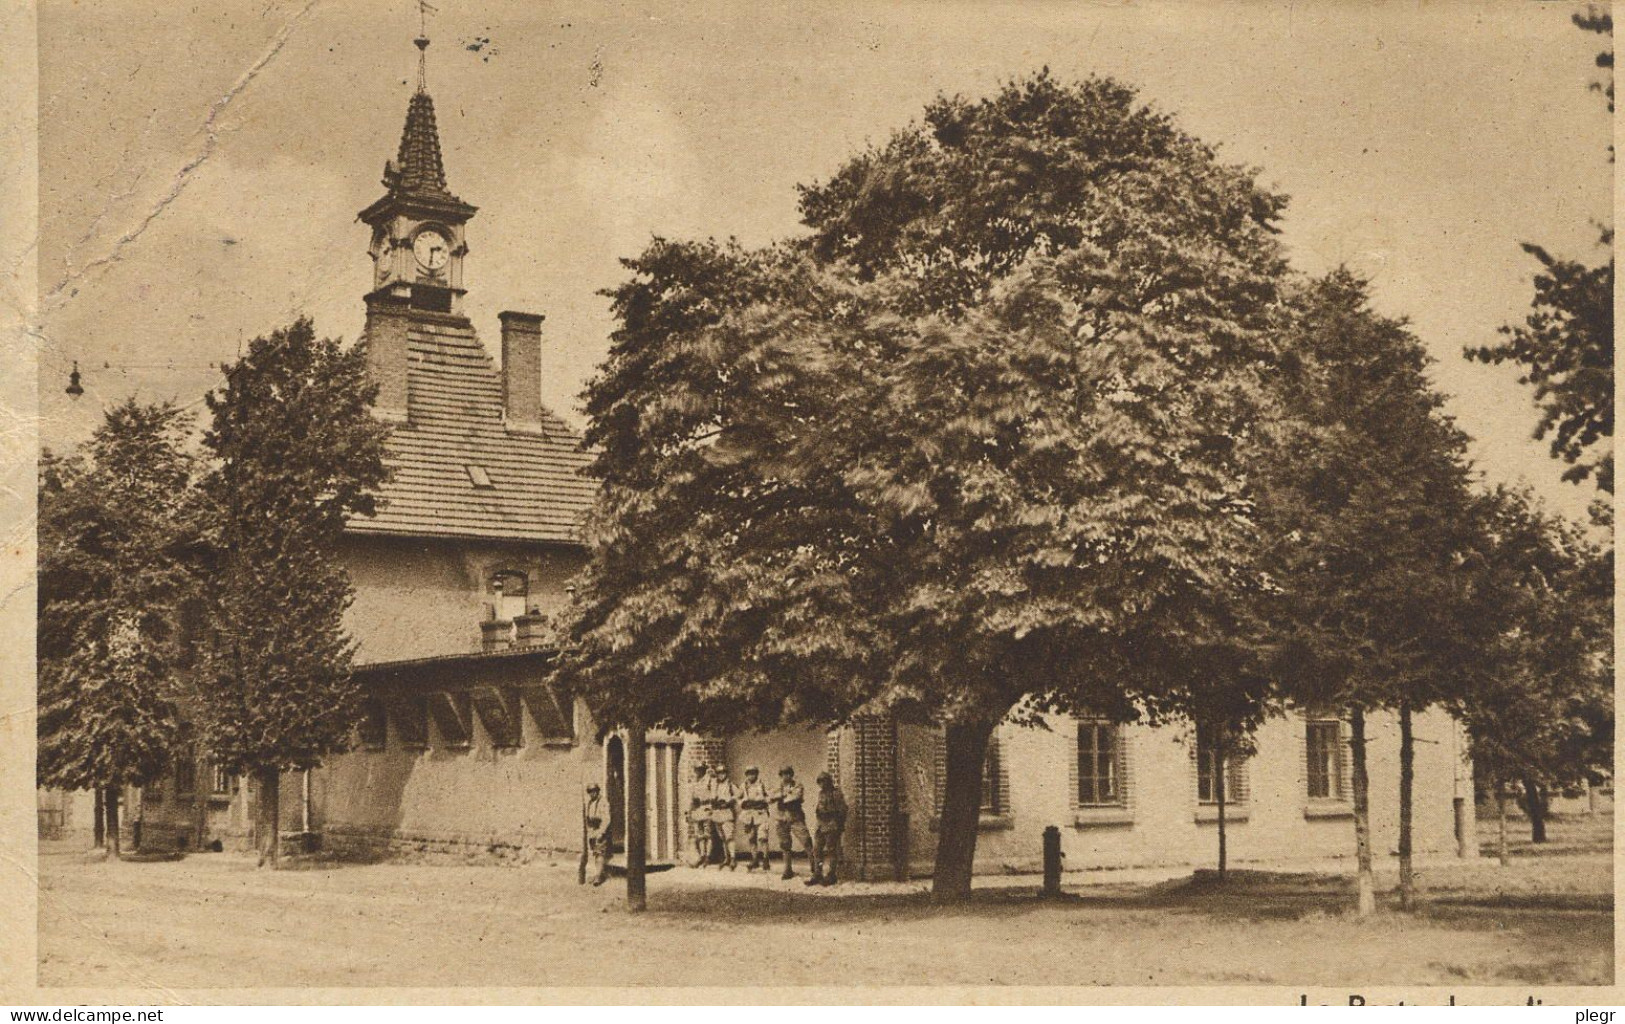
<point x="615" y="791"/>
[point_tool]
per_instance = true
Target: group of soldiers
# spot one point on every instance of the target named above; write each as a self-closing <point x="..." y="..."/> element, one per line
<point x="718" y="810"/>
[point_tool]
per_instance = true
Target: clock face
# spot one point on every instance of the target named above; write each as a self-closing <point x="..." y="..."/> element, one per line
<point x="431" y="249"/>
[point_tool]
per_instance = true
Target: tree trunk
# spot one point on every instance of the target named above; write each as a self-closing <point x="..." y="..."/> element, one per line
<point x="637" y="820"/>
<point x="1407" y="778"/>
<point x="1362" y="815"/>
<point x="1219" y="763"/>
<point x="1534" y="802"/>
<point x="1501" y="814"/>
<point x="98" y="825"/>
<point x="200" y="801"/>
<point x="111" y="804"/>
<point x="966" y="749"/>
<point x="271" y="815"/>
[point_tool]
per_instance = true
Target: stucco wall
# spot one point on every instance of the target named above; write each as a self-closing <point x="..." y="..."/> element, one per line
<point x="1162" y="823"/>
<point x="479" y="797"/>
<point x="420" y="598"/>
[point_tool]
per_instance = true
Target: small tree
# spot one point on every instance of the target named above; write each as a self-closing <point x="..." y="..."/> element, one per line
<point x="1540" y="713"/>
<point x="112" y="525"/>
<point x="296" y="453"/>
<point x="1369" y="500"/>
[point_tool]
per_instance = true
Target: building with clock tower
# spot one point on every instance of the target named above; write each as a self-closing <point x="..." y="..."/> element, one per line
<point x="466" y="748"/>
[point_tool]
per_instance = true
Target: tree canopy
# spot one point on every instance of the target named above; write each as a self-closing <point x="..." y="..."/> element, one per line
<point x="114" y="525"/>
<point x="296" y="452"/>
<point x="979" y="441"/>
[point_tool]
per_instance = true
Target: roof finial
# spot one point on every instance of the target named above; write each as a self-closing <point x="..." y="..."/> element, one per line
<point x="422" y="42"/>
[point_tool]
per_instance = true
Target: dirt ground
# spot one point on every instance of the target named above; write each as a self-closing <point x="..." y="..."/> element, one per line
<point x="214" y="921"/>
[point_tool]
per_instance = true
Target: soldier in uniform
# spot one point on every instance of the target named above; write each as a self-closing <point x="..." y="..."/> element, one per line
<point x="792" y="819"/>
<point x="699" y="816"/>
<point x="595" y="817"/>
<point x="724" y="811"/>
<point x="831" y="814"/>
<point x="754" y="817"/>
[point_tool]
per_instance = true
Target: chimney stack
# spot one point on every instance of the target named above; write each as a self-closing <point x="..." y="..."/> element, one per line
<point x="386" y="354"/>
<point x="522" y="371"/>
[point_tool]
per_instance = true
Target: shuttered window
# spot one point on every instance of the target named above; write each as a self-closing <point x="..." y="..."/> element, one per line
<point x="1235" y="773"/>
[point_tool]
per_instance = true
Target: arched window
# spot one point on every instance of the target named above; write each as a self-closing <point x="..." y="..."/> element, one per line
<point x="510" y="593"/>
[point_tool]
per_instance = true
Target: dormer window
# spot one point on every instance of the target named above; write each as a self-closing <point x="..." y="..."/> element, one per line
<point x="511" y="590"/>
<point x="479" y="477"/>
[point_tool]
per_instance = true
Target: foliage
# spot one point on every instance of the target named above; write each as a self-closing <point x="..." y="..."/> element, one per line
<point x="1565" y="346"/>
<point x="980" y="440"/>
<point x="114" y="522"/>
<point x="1543" y="711"/>
<point x="1369" y="500"/>
<point x="1566" y="350"/>
<point x="296" y="452"/>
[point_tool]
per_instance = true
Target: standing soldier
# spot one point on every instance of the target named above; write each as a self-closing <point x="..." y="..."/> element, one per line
<point x="699" y="816"/>
<point x="724" y="809"/>
<point x="754" y="817"/>
<point x="595" y="818"/>
<point x="792" y="820"/>
<point x="831" y="812"/>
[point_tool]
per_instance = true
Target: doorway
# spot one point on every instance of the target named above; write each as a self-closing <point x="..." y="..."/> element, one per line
<point x="615" y="791"/>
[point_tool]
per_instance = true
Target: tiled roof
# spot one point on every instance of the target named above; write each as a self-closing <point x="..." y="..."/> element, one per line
<point x="455" y="421"/>
<point x="418" y="165"/>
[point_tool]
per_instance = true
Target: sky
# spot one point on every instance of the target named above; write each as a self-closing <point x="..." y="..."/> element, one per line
<point x="201" y="164"/>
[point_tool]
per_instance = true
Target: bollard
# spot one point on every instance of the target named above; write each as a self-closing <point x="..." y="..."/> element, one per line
<point x="1052" y="861"/>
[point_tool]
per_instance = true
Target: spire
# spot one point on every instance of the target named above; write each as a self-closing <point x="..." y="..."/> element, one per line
<point x="419" y="170"/>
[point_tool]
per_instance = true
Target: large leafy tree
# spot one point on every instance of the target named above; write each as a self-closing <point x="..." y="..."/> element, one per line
<point x="296" y="452"/>
<point x="1369" y="500"/>
<point x="1565" y="346"/>
<point x="977" y="443"/>
<point x="114" y="527"/>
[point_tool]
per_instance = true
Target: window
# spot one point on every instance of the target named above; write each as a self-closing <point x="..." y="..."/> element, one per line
<point x="1324" y="746"/>
<point x="223" y="783"/>
<point x="479" y="477"/>
<point x="1235" y="771"/>
<point x="1099" y="768"/>
<point x="511" y="590"/>
<point x="993" y="801"/>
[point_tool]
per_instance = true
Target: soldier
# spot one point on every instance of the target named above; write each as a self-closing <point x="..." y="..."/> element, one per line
<point x="595" y="818"/>
<point x="724" y="809"/>
<point x="792" y="819"/>
<point x="831" y="813"/>
<point x="699" y="816"/>
<point x="754" y="817"/>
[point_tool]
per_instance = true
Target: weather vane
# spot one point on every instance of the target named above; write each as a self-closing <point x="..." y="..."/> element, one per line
<point x="422" y="41"/>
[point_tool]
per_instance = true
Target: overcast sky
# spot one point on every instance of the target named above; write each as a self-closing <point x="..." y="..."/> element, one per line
<point x="202" y="164"/>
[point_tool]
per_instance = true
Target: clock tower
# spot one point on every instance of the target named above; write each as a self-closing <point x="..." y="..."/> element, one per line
<point x="417" y="244"/>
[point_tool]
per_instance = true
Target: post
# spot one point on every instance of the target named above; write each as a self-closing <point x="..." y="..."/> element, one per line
<point x="1461" y="826"/>
<point x="637" y="817"/>
<point x="1052" y="862"/>
<point x="99" y="825"/>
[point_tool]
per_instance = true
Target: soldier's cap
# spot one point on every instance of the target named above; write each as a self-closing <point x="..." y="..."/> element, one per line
<point x="720" y="769"/>
<point x="752" y="770"/>
<point x="825" y="777"/>
<point x="592" y="787"/>
<point x="786" y="771"/>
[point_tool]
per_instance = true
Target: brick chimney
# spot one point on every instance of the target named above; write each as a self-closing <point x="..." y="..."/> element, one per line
<point x="386" y="354"/>
<point x="522" y="371"/>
